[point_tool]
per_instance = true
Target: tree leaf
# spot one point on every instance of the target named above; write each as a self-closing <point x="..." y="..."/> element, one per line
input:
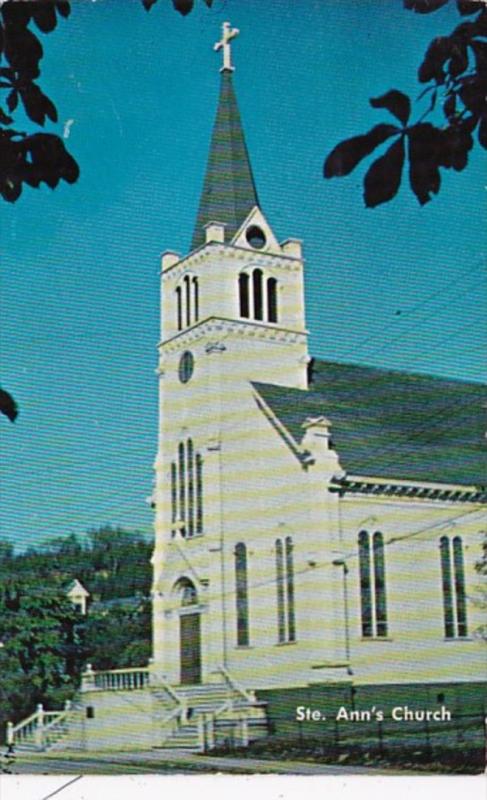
<point x="482" y="134"/>
<point x="346" y="155"/>
<point x="468" y="7"/>
<point x="148" y="4"/>
<point x="12" y="100"/>
<point x="44" y="16"/>
<point x="424" y="6"/>
<point x="8" y="406"/>
<point x="63" y="8"/>
<point x="383" y="179"/>
<point x="37" y="105"/>
<point x="437" y="54"/>
<point x="4" y="118"/>
<point x="183" y="6"/>
<point x="425" y="146"/>
<point x="396" y="102"/>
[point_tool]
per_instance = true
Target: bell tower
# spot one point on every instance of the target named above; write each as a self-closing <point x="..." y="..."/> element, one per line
<point x="232" y="315"/>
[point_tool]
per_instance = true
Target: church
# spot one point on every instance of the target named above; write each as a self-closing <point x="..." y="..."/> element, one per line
<point x="316" y="529"/>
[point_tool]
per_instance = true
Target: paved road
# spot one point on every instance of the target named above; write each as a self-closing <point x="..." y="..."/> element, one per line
<point x="173" y="762"/>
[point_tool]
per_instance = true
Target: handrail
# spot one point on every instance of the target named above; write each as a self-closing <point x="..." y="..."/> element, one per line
<point x="249" y="696"/>
<point x="23" y="723"/>
<point x="179" y="699"/>
<point x="60" y="716"/>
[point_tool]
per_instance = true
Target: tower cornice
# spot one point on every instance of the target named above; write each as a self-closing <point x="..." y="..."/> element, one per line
<point x="242" y="328"/>
<point x="206" y="251"/>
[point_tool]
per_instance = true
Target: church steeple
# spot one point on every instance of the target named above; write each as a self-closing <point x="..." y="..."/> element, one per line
<point x="229" y="192"/>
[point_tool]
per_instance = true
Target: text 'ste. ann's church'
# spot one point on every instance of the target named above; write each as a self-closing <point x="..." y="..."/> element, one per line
<point x="312" y="545"/>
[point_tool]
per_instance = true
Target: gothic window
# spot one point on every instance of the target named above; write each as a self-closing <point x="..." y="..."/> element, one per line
<point x="243" y="294"/>
<point x="189" y="595"/>
<point x="199" y="493"/>
<point x="187" y="491"/>
<point x="174" y="493"/>
<point x="241" y="591"/>
<point x="257" y="288"/>
<point x="286" y="620"/>
<point x="190" y="468"/>
<point x="372" y="585"/>
<point x="271" y="300"/>
<point x="453" y="586"/>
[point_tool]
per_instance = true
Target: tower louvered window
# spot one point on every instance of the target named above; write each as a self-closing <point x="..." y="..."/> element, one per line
<point x="187" y="491"/>
<point x="453" y="587"/>
<point x="372" y="584"/>
<point x="257" y="296"/>
<point x="286" y="618"/>
<point x="187" y="302"/>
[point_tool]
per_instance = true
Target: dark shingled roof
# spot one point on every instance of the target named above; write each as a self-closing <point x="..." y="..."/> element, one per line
<point x="392" y="424"/>
<point x="229" y="192"/>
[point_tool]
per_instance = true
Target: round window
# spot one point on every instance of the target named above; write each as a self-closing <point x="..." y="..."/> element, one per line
<point x="186" y="366"/>
<point x="255" y="237"/>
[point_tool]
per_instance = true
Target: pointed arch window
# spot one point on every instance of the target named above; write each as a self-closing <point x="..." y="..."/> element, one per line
<point x="286" y="618"/>
<point x="241" y="592"/>
<point x="257" y="296"/>
<point x="187" y="302"/>
<point x="453" y="587"/>
<point x="372" y="580"/>
<point x="196" y="299"/>
<point x="187" y="298"/>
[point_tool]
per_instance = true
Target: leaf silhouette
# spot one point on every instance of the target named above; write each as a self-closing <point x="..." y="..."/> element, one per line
<point x="37" y="105"/>
<point x="424" y="6"/>
<point x="396" y="102"/>
<point x="346" y="155"/>
<point x="468" y="7"/>
<point x="383" y="179"/>
<point x="438" y="53"/>
<point x="425" y="148"/>
<point x="8" y="406"/>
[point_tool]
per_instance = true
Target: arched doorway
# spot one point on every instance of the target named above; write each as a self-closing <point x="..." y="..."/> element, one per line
<point x="189" y="633"/>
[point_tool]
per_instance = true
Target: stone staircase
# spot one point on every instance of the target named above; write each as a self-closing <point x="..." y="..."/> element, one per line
<point x="155" y="714"/>
<point x="213" y="715"/>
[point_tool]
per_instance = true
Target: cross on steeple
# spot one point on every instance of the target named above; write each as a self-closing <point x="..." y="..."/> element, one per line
<point x="228" y="33"/>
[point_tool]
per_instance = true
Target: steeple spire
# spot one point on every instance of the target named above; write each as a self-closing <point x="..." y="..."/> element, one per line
<point x="229" y="192"/>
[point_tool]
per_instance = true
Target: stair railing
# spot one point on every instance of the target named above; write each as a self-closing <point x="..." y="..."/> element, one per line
<point x="237" y="687"/>
<point x="36" y="726"/>
<point x="181" y="702"/>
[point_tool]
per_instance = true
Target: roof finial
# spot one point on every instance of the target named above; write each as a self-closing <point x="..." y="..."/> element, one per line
<point x="228" y="33"/>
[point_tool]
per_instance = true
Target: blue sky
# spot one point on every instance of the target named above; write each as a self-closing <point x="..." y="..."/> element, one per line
<point x="79" y="292"/>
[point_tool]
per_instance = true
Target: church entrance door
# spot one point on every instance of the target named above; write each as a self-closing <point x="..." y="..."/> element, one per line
<point x="190" y="641"/>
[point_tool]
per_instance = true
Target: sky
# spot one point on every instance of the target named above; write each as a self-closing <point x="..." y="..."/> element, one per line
<point x="398" y="286"/>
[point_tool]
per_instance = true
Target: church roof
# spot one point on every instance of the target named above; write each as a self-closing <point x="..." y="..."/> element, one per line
<point x="391" y="424"/>
<point x="229" y="192"/>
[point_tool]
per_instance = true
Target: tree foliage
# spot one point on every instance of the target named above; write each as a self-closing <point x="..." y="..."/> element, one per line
<point x="454" y="71"/>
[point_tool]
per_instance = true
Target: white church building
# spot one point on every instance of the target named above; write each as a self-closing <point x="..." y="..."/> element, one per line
<point x="317" y="524"/>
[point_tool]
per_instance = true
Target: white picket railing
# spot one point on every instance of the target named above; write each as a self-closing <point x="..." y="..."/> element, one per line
<point x="37" y="729"/>
<point x="114" y="679"/>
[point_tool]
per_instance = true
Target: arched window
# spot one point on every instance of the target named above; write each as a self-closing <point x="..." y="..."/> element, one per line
<point x="179" y="309"/>
<point x="187" y="491"/>
<point x="174" y="493"/>
<point x="281" y="618"/>
<point x="189" y="595"/>
<point x="271" y="300"/>
<point x="182" y="486"/>
<point x="241" y="591"/>
<point x="365" y="586"/>
<point x="380" y="586"/>
<point x="372" y="584"/>
<point x="291" y="618"/>
<point x="199" y="493"/>
<point x="196" y="300"/>
<point x="460" y="586"/>
<point x="257" y="288"/>
<point x="187" y="297"/>
<point x="190" y="469"/>
<point x="286" y="618"/>
<point x="243" y="294"/>
<point x="453" y="587"/>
